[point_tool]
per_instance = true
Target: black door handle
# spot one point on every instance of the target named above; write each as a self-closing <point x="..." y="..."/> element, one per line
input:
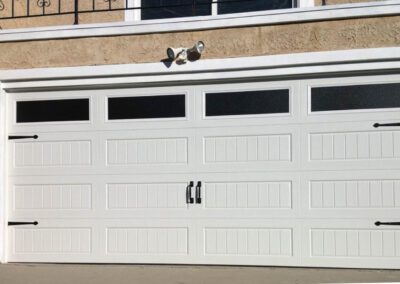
<point x="16" y="137"/>
<point x="376" y="125"/>
<point x="198" y="192"/>
<point x="35" y="223"/>
<point x="379" y="223"/>
<point x="189" y="198"/>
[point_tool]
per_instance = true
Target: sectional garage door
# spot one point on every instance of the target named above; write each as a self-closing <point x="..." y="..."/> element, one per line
<point x="292" y="173"/>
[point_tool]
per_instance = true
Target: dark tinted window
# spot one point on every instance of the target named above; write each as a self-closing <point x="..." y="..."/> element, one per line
<point x="53" y="110"/>
<point x="355" y="97"/>
<point x="146" y="107"/>
<point x="252" y="102"/>
<point x="234" y="6"/>
<point x="161" y="9"/>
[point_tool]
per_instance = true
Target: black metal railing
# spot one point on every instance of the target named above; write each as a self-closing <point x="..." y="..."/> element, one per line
<point x="16" y="9"/>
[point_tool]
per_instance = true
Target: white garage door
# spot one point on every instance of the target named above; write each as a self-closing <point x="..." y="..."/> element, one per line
<point x="287" y="173"/>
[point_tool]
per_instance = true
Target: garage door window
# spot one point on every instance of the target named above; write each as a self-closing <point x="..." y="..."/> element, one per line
<point x="247" y="103"/>
<point x="146" y="107"/>
<point x="52" y="110"/>
<point x="356" y="97"/>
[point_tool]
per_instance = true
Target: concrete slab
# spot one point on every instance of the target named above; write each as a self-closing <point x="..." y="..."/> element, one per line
<point x="179" y="274"/>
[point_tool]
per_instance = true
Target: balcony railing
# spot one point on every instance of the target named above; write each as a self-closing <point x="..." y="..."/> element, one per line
<point x="16" y="9"/>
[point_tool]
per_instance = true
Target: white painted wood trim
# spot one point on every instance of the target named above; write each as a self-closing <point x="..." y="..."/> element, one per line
<point x="302" y="14"/>
<point x="3" y="179"/>
<point x="306" y="3"/>
<point x="214" y="8"/>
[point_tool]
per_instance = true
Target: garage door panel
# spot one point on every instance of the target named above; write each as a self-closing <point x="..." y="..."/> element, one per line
<point x="71" y="197"/>
<point x="146" y="197"/>
<point x="141" y="241"/>
<point x="253" y="195"/>
<point x="351" y="99"/>
<point x="154" y="151"/>
<point x="248" y="104"/>
<point x="355" y="243"/>
<point x="348" y="195"/>
<point x="251" y="148"/>
<point x="351" y="146"/>
<point x="53" y="240"/>
<point x="53" y="153"/>
<point x="257" y="242"/>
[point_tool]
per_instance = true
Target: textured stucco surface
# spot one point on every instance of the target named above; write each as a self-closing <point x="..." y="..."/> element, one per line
<point x="222" y="43"/>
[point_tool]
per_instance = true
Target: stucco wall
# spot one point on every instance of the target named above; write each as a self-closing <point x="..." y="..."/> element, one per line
<point x="223" y="43"/>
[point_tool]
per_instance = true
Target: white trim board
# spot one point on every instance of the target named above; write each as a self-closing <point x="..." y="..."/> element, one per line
<point x="202" y="70"/>
<point x="294" y="15"/>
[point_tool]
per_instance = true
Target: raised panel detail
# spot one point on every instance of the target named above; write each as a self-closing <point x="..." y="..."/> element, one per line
<point x="52" y="240"/>
<point x="152" y="195"/>
<point x="147" y="151"/>
<point x="355" y="194"/>
<point x="52" y="154"/>
<point x="381" y="145"/>
<point x="355" y="243"/>
<point x="248" y="241"/>
<point x="248" y="194"/>
<point x="52" y="196"/>
<point x="147" y="241"/>
<point x="258" y="148"/>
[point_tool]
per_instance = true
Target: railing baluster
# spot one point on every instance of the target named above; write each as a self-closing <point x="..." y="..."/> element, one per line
<point x="76" y="12"/>
<point x="12" y="8"/>
<point x="94" y="5"/>
<point x="27" y="8"/>
<point x="59" y="6"/>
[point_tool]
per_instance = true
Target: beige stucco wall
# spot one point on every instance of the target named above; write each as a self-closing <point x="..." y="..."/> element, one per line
<point x="222" y="43"/>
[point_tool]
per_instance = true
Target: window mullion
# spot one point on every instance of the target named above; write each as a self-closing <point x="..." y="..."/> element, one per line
<point x="133" y="14"/>
<point x="214" y="8"/>
<point x="305" y="3"/>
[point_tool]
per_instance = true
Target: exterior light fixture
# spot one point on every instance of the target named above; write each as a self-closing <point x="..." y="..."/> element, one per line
<point x="181" y="54"/>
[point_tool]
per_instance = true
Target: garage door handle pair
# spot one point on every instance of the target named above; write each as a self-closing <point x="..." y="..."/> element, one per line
<point x="189" y="198"/>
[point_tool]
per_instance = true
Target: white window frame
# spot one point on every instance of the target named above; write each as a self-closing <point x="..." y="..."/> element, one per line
<point x="135" y="14"/>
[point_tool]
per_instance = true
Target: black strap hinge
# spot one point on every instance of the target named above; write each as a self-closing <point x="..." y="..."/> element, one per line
<point x="16" y="137"/>
<point x="35" y="223"/>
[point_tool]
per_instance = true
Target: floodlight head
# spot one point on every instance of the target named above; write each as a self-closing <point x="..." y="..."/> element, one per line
<point x="198" y="47"/>
<point x="181" y="54"/>
<point x="173" y="53"/>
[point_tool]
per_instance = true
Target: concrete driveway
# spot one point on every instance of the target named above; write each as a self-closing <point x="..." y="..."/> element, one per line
<point x="167" y="274"/>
